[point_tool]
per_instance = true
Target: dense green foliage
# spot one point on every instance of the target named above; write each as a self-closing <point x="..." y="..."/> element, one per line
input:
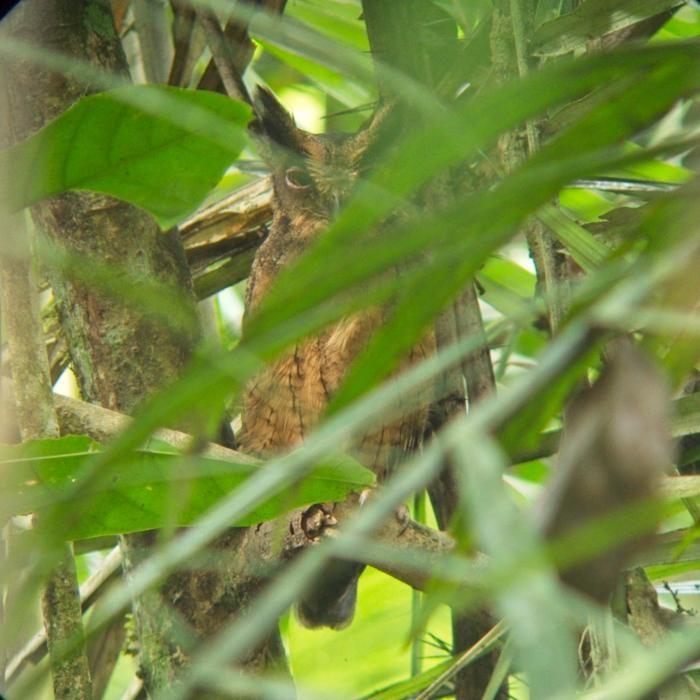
<point x="632" y="259"/>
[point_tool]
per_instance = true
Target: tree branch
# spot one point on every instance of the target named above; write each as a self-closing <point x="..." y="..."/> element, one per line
<point x="154" y="38"/>
<point x="227" y="63"/>
<point x="99" y="423"/>
<point x="188" y="43"/>
<point x="232" y="49"/>
<point x="220" y="241"/>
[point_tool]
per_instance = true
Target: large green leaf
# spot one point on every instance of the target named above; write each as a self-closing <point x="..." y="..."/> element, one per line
<point x="151" y="488"/>
<point x="341" y="21"/>
<point x="460" y="238"/>
<point x="161" y="148"/>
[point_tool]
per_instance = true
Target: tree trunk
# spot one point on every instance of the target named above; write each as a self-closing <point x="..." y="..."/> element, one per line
<point x="120" y="354"/>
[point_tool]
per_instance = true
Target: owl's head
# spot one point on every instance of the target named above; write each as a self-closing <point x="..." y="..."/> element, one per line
<point x="313" y="172"/>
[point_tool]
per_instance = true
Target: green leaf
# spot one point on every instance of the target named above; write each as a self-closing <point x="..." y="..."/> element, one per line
<point x="593" y="18"/>
<point x="461" y="237"/>
<point x="150" y="488"/>
<point x="160" y="148"/>
<point x="585" y="248"/>
<point x="337" y="20"/>
<point x="510" y="275"/>
<point x="410" y="686"/>
<point x="685" y="23"/>
<point x="508" y="288"/>
<point x="686" y="419"/>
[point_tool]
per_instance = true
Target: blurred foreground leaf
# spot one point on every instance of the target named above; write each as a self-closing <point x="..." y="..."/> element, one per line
<point x="150" y="488"/>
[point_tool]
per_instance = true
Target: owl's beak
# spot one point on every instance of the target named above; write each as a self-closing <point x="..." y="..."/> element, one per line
<point x="335" y="203"/>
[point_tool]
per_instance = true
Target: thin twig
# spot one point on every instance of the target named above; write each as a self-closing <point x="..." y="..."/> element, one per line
<point x="539" y="240"/>
<point x="188" y="42"/>
<point x="477" y="366"/>
<point x="240" y="46"/>
<point x="463" y="319"/>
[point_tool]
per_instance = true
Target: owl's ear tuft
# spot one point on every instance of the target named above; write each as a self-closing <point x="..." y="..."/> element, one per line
<point x="274" y="124"/>
<point x="378" y="133"/>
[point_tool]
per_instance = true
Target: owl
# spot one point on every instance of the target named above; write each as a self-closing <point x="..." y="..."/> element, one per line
<point x="313" y="175"/>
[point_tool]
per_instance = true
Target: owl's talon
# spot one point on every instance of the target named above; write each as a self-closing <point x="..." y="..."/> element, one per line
<point x="364" y="496"/>
<point x="403" y="516"/>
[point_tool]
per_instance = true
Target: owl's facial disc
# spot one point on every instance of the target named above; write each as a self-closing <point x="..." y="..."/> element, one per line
<point x="333" y="184"/>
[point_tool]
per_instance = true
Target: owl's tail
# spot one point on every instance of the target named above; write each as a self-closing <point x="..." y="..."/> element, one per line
<point x="331" y="600"/>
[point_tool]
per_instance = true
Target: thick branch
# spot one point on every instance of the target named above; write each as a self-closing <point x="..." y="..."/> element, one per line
<point x="99" y="423"/>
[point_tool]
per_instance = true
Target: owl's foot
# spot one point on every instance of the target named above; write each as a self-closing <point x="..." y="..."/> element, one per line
<point x="403" y="517"/>
<point x="318" y="520"/>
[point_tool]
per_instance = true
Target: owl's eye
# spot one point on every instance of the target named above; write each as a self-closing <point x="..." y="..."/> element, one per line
<point x="297" y="178"/>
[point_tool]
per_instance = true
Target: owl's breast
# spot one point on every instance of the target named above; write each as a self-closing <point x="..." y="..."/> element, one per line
<point x="286" y="401"/>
